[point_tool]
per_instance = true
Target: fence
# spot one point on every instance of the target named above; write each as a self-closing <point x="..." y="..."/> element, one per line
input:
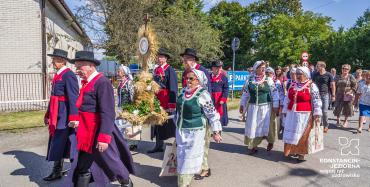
<point x="23" y="92"/>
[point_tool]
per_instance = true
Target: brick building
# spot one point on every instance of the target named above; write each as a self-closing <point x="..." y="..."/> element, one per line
<point x="30" y="29"/>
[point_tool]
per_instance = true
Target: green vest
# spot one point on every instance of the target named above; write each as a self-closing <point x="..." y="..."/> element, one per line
<point x="259" y="94"/>
<point x="190" y="113"/>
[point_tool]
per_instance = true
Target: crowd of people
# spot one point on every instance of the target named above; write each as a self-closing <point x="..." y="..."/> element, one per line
<point x="288" y="101"/>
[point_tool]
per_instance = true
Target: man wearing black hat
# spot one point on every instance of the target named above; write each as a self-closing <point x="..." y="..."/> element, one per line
<point x="190" y="59"/>
<point x="61" y="112"/>
<point x="103" y="156"/>
<point x="220" y="90"/>
<point x="166" y="77"/>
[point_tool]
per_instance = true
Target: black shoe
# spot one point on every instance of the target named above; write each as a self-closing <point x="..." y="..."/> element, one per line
<point x="53" y="176"/>
<point x="57" y="172"/>
<point x="126" y="183"/>
<point x="133" y="147"/>
<point x="200" y="177"/>
<point x="253" y="151"/>
<point x="270" y="146"/>
<point x="83" y="180"/>
<point x="155" y="150"/>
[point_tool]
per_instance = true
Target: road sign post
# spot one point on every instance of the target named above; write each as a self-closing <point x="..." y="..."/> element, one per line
<point x="235" y="46"/>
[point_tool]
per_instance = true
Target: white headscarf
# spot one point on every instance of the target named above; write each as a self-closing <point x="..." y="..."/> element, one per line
<point x="270" y="69"/>
<point x="305" y="70"/>
<point x="127" y="71"/>
<point x="257" y="64"/>
<point x="201" y="77"/>
<point x="293" y="70"/>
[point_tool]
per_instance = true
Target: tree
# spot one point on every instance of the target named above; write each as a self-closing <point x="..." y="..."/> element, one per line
<point x="232" y="20"/>
<point x="178" y="24"/>
<point x="346" y="47"/>
<point x="266" y="9"/>
<point x="282" y="39"/>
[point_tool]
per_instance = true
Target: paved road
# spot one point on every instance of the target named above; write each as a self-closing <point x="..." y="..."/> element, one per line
<point x="22" y="161"/>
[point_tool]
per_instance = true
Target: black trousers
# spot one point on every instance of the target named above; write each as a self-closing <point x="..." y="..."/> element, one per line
<point x="84" y="163"/>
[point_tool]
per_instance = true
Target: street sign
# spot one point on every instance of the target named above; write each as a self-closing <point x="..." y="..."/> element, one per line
<point x="240" y="78"/>
<point x="235" y="44"/>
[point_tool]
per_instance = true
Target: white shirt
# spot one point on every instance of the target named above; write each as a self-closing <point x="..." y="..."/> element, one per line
<point x="364" y="90"/>
<point x="61" y="70"/>
<point x="92" y="76"/>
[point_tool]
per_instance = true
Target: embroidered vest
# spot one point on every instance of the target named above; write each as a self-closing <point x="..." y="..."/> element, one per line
<point x="190" y="112"/>
<point x="300" y="99"/>
<point x="259" y="94"/>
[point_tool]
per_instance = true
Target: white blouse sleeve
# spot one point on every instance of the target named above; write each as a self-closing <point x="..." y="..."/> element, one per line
<point x="316" y="101"/>
<point x="245" y="94"/>
<point x="274" y="93"/>
<point x="285" y="104"/>
<point x="280" y="89"/>
<point x="209" y="110"/>
<point x="131" y="90"/>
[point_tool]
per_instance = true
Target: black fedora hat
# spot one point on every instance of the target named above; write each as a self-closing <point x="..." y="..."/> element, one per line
<point x="217" y="63"/>
<point x="59" y="53"/>
<point x="85" y="56"/>
<point x="164" y="51"/>
<point x="190" y="52"/>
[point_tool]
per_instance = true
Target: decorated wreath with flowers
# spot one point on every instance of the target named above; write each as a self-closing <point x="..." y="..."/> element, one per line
<point x="145" y="108"/>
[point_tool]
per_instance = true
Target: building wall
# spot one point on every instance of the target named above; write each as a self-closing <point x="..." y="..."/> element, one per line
<point x="60" y="34"/>
<point x="20" y="36"/>
<point x="21" y="50"/>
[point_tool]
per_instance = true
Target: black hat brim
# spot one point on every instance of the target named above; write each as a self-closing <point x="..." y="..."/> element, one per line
<point x="196" y="58"/>
<point x="52" y="55"/>
<point x="96" y="62"/>
<point x="165" y="54"/>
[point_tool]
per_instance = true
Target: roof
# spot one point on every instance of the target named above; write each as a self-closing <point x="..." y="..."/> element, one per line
<point x="63" y="9"/>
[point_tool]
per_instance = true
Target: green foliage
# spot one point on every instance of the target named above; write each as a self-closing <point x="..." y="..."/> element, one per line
<point x="178" y="24"/>
<point x="143" y="107"/>
<point x="282" y="38"/>
<point x="232" y="20"/>
<point x="267" y="9"/>
<point x="273" y="30"/>
<point x="346" y="47"/>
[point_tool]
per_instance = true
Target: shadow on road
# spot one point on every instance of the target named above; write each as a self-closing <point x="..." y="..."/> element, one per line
<point x="234" y="130"/>
<point x="145" y="146"/>
<point x="274" y="156"/>
<point x="151" y="173"/>
<point x="35" y="166"/>
<point x="308" y="174"/>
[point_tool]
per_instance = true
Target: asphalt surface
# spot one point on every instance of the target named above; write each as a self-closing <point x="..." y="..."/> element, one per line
<point x="22" y="161"/>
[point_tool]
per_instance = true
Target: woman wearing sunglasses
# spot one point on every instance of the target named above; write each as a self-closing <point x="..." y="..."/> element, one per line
<point x="195" y="111"/>
<point x="344" y="97"/>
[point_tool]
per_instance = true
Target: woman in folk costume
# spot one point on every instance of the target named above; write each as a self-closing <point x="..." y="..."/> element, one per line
<point x="165" y="76"/>
<point x="194" y="108"/>
<point x="125" y="94"/>
<point x="103" y="155"/>
<point x="260" y="97"/>
<point x="125" y="89"/>
<point x="61" y="112"/>
<point x="275" y="127"/>
<point x="190" y="62"/>
<point x="301" y="106"/>
<point x="220" y="90"/>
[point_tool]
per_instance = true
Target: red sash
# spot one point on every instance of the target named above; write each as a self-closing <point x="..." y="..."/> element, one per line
<point x="88" y="121"/>
<point x="54" y="104"/>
